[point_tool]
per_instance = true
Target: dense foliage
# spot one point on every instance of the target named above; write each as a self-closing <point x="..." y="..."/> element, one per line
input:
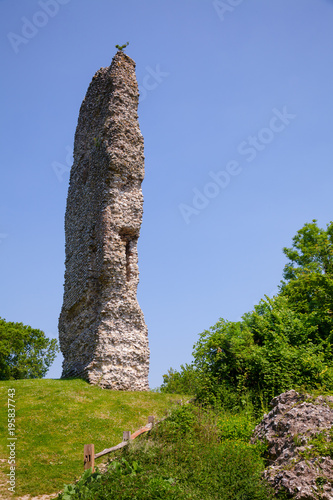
<point x="312" y="251"/>
<point x="271" y="351"/>
<point x="184" y="381"/>
<point x="284" y="343"/>
<point x="194" y="454"/>
<point x="24" y="352"/>
<point x="308" y="277"/>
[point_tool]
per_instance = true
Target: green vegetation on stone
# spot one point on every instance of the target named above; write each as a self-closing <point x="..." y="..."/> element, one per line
<point x="319" y="445"/>
<point x="122" y="47"/>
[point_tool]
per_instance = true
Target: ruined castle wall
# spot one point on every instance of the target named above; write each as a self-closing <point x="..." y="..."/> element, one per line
<point x="103" y="335"/>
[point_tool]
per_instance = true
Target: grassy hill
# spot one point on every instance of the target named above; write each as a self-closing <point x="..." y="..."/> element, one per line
<point x="55" y="418"/>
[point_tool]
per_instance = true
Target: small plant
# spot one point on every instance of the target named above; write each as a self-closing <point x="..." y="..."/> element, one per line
<point x="97" y="142"/>
<point x="122" y="47"/>
<point x="88" y="483"/>
<point x="320" y="445"/>
<point x="320" y="481"/>
<point x="123" y="467"/>
<point x="297" y="440"/>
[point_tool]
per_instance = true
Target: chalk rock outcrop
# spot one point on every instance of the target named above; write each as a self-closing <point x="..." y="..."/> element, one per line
<point x="102" y="332"/>
<point x="299" y="438"/>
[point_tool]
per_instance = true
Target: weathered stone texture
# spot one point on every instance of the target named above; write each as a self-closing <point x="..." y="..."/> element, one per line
<point x="295" y="467"/>
<point x="102" y="332"/>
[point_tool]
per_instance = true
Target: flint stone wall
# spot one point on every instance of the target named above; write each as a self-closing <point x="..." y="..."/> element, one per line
<point x="102" y="332"/>
<point x="288" y="430"/>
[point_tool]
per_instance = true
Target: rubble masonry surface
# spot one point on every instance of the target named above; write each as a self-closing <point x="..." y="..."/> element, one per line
<point x="102" y="332"/>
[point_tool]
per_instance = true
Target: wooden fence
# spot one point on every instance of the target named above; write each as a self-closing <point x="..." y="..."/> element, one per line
<point x="89" y="449"/>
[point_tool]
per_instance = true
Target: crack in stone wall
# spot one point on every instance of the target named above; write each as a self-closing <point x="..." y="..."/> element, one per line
<point x="102" y="332"/>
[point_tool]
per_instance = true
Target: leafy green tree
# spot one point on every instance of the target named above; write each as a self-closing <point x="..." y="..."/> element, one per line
<point x="24" y="352"/>
<point x="184" y="381"/>
<point x="284" y="343"/>
<point x="308" y="277"/>
<point x="312" y="251"/>
<point x="269" y="352"/>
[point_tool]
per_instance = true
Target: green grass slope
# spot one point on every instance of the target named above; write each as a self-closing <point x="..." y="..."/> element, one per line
<point x="55" y="418"/>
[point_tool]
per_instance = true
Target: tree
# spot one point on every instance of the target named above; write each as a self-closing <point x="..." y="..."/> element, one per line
<point x="284" y="343"/>
<point x="312" y="251"/>
<point x="309" y="277"/>
<point x="24" y="352"/>
<point x="269" y="352"/>
<point x="183" y="381"/>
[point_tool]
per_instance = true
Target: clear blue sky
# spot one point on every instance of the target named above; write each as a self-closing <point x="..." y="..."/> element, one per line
<point x="236" y="112"/>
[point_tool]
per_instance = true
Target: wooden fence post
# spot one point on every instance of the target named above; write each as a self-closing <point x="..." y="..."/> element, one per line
<point x="126" y="435"/>
<point x="151" y="420"/>
<point x="89" y="457"/>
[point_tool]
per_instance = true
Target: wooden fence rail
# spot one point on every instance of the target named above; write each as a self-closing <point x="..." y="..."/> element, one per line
<point x="89" y="451"/>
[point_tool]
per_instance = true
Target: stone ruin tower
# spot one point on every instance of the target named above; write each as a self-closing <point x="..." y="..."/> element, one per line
<point x="102" y="332"/>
